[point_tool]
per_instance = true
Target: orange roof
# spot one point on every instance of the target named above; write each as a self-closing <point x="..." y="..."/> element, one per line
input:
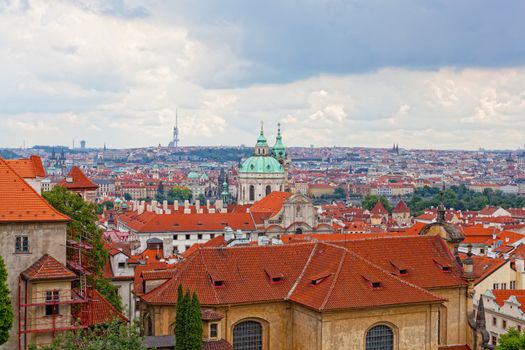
<point x="244" y="276"/>
<point x="504" y="294"/>
<point x="401" y="207"/>
<point x="272" y="203"/>
<point x="28" y="168"/>
<point x="101" y="309"/>
<point x="484" y="266"/>
<point x="178" y="222"/>
<point x="47" y="268"/>
<point x="379" y="209"/>
<point x="79" y="181"/>
<point x="19" y="202"/>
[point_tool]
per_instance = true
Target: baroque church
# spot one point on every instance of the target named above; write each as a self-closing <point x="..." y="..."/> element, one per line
<point x="264" y="172"/>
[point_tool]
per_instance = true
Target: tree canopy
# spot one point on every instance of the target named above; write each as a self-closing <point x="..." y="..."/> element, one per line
<point x="112" y="336"/>
<point x="83" y="221"/>
<point x="179" y="193"/>
<point x="6" y="310"/>
<point x="370" y="201"/>
<point x="188" y="324"/>
<point x="512" y="340"/>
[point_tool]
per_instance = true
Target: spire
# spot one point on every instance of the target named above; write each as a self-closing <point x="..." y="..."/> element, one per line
<point x="441" y="213"/>
<point x="262" y="128"/>
<point x="278" y="150"/>
<point x="225" y="195"/>
<point x="261" y="148"/>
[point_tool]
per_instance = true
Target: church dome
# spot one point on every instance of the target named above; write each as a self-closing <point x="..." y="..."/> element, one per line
<point x="192" y="175"/>
<point x="261" y="164"/>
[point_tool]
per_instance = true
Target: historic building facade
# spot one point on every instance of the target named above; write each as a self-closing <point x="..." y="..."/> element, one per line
<point x="264" y="172"/>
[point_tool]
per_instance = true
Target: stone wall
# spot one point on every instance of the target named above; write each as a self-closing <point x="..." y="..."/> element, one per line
<point x="43" y="238"/>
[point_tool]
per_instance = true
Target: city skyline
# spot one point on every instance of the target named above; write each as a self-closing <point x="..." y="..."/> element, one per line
<point x="350" y="74"/>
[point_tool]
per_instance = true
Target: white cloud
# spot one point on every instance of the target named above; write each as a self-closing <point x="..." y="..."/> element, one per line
<point x="75" y="71"/>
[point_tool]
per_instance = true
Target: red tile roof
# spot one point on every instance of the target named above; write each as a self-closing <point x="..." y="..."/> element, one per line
<point x="379" y="209"/>
<point x="28" y="168"/>
<point x="216" y="345"/>
<point x="271" y="204"/>
<point x="401" y="207"/>
<point x="47" y="268"/>
<point x="176" y="222"/>
<point x="484" y="266"/>
<point x="79" y="180"/>
<point x="504" y="294"/>
<point x="19" y="202"/>
<point x="211" y="315"/>
<point x="98" y="311"/>
<point x="244" y="276"/>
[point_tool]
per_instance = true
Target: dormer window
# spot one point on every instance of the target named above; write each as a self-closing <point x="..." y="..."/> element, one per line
<point x="444" y="265"/>
<point x="399" y="268"/>
<point x="216" y="280"/>
<point x="319" y="278"/>
<point x="274" y="275"/>
<point x="373" y="281"/>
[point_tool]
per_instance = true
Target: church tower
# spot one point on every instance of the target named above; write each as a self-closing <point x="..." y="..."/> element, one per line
<point x="262" y="173"/>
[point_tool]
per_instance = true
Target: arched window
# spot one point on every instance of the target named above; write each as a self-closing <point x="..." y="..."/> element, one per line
<point x="252" y="193"/>
<point x="247" y="335"/>
<point x="268" y="189"/>
<point x="380" y="337"/>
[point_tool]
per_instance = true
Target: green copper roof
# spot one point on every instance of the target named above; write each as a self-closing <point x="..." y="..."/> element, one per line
<point x="261" y="164"/>
<point x="193" y="175"/>
<point x="278" y="149"/>
<point x="261" y="141"/>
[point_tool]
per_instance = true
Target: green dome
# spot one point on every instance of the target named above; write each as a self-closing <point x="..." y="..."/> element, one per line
<point x="261" y="164"/>
<point x="193" y="175"/>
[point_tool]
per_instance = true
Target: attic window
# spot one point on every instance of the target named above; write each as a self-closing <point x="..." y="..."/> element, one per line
<point x="317" y="279"/>
<point x="400" y="268"/>
<point x="216" y="280"/>
<point x="443" y="264"/>
<point x="274" y="275"/>
<point x="373" y="281"/>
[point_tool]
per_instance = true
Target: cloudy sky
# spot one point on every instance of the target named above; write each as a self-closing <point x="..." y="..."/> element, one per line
<point x="424" y="74"/>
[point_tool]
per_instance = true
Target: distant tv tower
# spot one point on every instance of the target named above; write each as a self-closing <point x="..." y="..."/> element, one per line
<point x="175" y="142"/>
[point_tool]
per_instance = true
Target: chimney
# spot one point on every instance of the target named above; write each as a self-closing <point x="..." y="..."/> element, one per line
<point x="228" y="234"/>
<point x="154" y="204"/>
<point x="208" y="204"/>
<point x="165" y="205"/>
<point x="167" y="211"/>
<point x="186" y="204"/>
<point x="218" y="204"/>
<point x="148" y="207"/>
<point x="468" y="263"/>
<point x="167" y="246"/>
<point x="140" y="210"/>
<point x="176" y="205"/>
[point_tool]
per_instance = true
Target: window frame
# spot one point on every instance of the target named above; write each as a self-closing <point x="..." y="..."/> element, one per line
<point x="214" y="328"/>
<point x="390" y="326"/>
<point x="52" y="298"/>
<point x="24" y="243"/>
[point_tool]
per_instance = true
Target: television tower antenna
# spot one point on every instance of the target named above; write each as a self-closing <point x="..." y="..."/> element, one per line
<point x="176" y="130"/>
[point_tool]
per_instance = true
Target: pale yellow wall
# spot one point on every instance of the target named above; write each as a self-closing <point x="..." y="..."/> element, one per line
<point x="415" y="327"/>
<point x="306" y="330"/>
<point x="456" y="314"/>
<point x="504" y="274"/>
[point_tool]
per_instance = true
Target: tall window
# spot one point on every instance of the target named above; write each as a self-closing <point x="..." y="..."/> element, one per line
<point x="22" y="244"/>
<point x="214" y="330"/>
<point x="380" y="337"/>
<point x="247" y="335"/>
<point x="52" y="297"/>
<point x="268" y="189"/>
<point x="252" y="193"/>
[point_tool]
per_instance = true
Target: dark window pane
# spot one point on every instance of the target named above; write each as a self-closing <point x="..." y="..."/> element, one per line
<point x="380" y="337"/>
<point x="247" y="335"/>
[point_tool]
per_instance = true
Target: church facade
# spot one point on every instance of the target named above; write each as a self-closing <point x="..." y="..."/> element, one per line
<point x="264" y="172"/>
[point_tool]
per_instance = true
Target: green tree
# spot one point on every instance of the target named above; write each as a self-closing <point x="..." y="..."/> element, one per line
<point x="180" y="321"/>
<point x="370" y="201"/>
<point x="127" y="196"/>
<point x="83" y="222"/>
<point x="112" y="336"/>
<point x="109" y="291"/>
<point x="160" y="196"/>
<point x="194" y="340"/>
<point x="6" y="310"/>
<point x="339" y="193"/>
<point x="512" y="340"/>
<point x="179" y="193"/>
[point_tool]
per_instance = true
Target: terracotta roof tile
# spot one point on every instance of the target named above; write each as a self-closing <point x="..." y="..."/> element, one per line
<point x="272" y="203"/>
<point x="47" y="268"/>
<point x="216" y="345"/>
<point x="28" y="168"/>
<point x="79" y="180"/>
<point x="337" y="271"/>
<point x="20" y="202"/>
<point x="101" y="310"/>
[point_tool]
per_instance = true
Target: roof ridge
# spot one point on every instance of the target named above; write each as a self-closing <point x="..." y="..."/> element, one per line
<point x="334" y="281"/>
<point x="31" y="189"/>
<point x="301" y="275"/>
<point x="206" y="267"/>
<point x="387" y="273"/>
